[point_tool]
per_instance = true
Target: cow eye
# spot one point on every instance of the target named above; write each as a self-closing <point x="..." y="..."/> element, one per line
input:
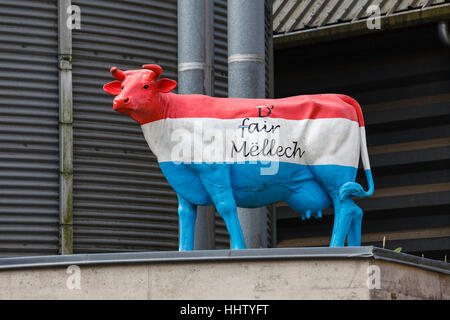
<point x="146" y="86"/>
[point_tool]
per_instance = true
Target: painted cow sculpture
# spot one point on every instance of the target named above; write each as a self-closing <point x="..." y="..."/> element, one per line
<point x="302" y="150"/>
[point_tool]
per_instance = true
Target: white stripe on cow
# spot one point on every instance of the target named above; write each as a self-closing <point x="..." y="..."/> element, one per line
<point x="364" y="153"/>
<point x="331" y="141"/>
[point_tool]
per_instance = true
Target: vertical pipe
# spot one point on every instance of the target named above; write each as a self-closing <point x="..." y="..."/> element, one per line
<point x="246" y="79"/>
<point x="246" y="54"/>
<point x="195" y="76"/>
<point x="65" y="129"/>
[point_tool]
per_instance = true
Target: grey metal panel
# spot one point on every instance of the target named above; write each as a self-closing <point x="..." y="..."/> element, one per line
<point x="122" y="201"/>
<point x="28" y="128"/>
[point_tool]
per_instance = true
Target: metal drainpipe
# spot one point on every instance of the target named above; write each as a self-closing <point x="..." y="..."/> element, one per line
<point x="195" y="76"/>
<point x="65" y="129"/>
<point x="443" y="33"/>
<point x="246" y="79"/>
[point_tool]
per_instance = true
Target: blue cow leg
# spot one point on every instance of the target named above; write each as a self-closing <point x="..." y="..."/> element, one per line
<point x="354" y="232"/>
<point x="347" y="221"/>
<point x="217" y="182"/>
<point x="347" y="215"/>
<point x="309" y="198"/>
<point x="187" y="213"/>
<point x="226" y="206"/>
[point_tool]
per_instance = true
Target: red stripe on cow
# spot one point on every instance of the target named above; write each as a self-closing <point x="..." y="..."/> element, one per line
<point x="319" y="106"/>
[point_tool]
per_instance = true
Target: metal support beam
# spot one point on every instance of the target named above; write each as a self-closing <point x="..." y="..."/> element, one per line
<point x="246" y="79"/>
<point x="195" y="76"/>
<point x="65" y="129"/>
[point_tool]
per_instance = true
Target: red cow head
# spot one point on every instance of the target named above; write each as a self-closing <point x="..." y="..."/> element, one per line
<point x="137" y="91"/>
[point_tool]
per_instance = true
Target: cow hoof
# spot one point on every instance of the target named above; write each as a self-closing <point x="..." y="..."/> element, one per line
<point x="318" y="214"/>
<point x="308" y="214"/>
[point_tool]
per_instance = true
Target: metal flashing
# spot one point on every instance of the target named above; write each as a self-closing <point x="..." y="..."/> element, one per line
<point x="225" y="255"/>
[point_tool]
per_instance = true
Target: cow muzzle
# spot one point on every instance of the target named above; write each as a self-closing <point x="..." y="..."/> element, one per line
<point x="123" y="104"/>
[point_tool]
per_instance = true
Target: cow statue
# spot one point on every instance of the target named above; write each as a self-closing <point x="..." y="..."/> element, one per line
<point x="303" y="150"/>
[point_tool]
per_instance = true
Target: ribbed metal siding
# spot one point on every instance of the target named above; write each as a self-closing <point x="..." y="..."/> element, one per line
<point x="122" y="201"/>
<point x="221" y="90"/>
<point x="220" y="49"/>
<point x="28" y="128"/>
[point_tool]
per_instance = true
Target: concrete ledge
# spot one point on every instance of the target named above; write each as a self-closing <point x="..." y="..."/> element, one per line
<point x="282" y="273"/>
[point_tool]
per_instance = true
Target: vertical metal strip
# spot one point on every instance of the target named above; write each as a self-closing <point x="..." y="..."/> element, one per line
<point x="209" y="47"/>
<point x="271" y="90"/>
<point x="65" y="129"/>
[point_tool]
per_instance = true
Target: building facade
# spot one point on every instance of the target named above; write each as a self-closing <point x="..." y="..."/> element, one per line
<point x="89" y="183"/>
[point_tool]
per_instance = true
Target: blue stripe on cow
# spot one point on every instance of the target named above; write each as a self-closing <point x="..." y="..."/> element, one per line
<point x="246" y="178"/>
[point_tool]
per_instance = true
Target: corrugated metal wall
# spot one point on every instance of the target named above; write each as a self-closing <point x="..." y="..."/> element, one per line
<point x="220" y="49"/>
<point x="402" y="81"/>
<point x="28" y="128"/>
<point x="122" y="201"/>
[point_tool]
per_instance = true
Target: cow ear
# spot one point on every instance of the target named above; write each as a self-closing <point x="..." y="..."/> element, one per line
<point x="166" y="85"/>
<point x="113" y="87"/>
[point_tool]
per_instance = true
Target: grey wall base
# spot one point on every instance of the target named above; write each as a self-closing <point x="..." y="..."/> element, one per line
<point x="291" y="273"/>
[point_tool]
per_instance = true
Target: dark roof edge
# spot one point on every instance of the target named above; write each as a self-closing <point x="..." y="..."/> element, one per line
<point x="223" y="255"/>
<point x="415" y="261"/>
<point x="349" y="29"/>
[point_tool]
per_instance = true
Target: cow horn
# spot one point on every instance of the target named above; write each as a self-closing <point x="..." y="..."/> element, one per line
<point x="155" y="68"/>
<point x="118" y="74"/>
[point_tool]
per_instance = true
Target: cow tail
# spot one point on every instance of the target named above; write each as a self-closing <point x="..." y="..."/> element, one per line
<point x="352" y="188"/>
